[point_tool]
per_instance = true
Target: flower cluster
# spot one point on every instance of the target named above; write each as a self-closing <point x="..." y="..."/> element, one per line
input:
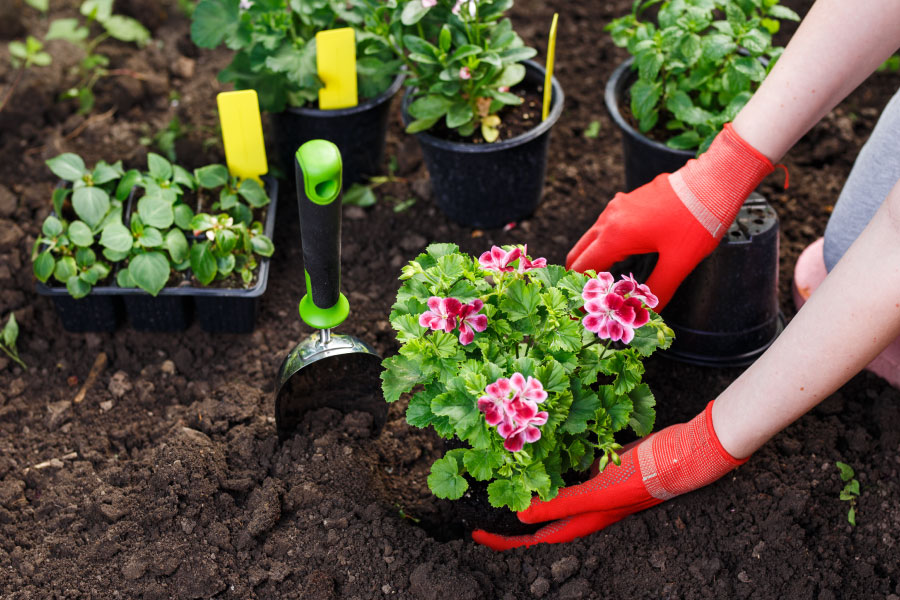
<point x="446" y="314"/>
<point x="512" y="405"/>
<point x="500" y="260"/>
<point x="616" y="308"/>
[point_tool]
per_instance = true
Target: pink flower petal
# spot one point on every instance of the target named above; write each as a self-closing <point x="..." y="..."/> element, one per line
<point x="478" y="322"/>
<point x="515" y="442"/>
<point x="593" y="322"/>
<point x="434" y="303"/>
<point x="532" y="434"/>
<point x="466" y="335"/>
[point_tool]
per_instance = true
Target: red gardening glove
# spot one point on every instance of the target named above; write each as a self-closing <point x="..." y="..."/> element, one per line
<point x="678" y="459"/>
<point x="681" y="216"/>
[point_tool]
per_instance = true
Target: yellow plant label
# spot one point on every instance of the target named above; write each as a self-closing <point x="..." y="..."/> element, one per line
<point x="336" y="64"/>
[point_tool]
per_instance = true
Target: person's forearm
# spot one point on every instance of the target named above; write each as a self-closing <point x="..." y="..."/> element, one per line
<point x="848" y="321"/>
<point x="838" y="44"/>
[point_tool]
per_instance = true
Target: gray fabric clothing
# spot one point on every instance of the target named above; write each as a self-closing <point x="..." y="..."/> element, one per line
<point x="875" y="172"/>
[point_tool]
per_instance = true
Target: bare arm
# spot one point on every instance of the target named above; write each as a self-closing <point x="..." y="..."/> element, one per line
<point x="838" y="44"/>
<point x="850" y="319"/>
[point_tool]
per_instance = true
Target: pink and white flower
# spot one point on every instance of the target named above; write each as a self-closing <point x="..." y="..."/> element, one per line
<point x="471" y="6"/>
<point x="470" y="321"/>
<point x="499" y="259"/>
<point x="429" y="3"/>
<point x="442" y="315"/>
<point x="465" y="73"/>
<point x="512" y="405"/>
<point x="526" y="264"/>
<point x="245" y="5"/>
<point x="616" y="308"/>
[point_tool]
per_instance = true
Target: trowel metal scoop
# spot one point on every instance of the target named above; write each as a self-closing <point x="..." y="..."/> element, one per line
<point x="327" y="369"/>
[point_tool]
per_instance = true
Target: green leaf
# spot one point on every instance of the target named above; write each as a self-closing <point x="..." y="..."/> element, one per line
<point x="44" y="265"/>
<point x="116" y="237"/>
<point x="413" y="12"/>
<point x="418" y="413"/>
<point x="420" y="125"/>
<point x="52" y="227"/>
<point x="65" y="269"/>
<point x="461" y="409"/>
<point x="10" y="331"/>
<point x="644" y="98"/>
<point x="211" y="176"/>
<point x="783" y="12"/>
<point x="359" y="195"/>
<point x="156" y="212"/>
<point x="203" y="263"/>
<point x="78" y="287"/>
<point x="503" y="492"/>
<point x="177" y="245"/>
<point x="445" y="480"/>
<point x="846" y="471"/>
<point x="80" y="234"/>
<point x="66" y="29"/>
<point x="253" y="193"/>
<point x="128" y="181"/>
<point x="214" y="21"/>
<point x="123" y="279"/>
<point x="459" y="114"/>
<point x="535" y="478"/>
<point x="41" y="5"/>
<point x="159" y="167"/>
<point x="150" y="271"/>
<point x="851" y="516"/>
<point x="183" y="216"/>
<point x="91" y="205"/>
<point x="481" y="463"/>
<point x="520" y="300"/>
<point x="584" y="406"/>
<point x="400" y="375"/>
<point x="151" y="237"/>
<point x="126" y="29"/>
<point x="68" y="166"/>
<point x="644" y="414"/>
<point x="552" y="375"/>
<point x="262" y="245"/>
<point x="430" y="107"/>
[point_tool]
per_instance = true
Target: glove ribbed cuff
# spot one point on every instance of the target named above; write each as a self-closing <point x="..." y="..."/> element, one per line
<point x="714" y="186"/>
<point x="682" y="458"/>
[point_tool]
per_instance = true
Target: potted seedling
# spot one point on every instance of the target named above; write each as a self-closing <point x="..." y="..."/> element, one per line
<point x="693" y="65"/>
<point x="275" y="54"/>
<point x="474" y="102"/>
<point x="530" y="368"/>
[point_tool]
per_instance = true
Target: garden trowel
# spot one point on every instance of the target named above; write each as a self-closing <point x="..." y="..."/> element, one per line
<point x="327" y="369"/>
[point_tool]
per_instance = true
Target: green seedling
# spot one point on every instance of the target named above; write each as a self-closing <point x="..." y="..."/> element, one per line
<point x="23" y="56"/>
<point x="93" y="65"/>
<point x="850" y="493"/>
<point x="164" y="139"/>
<point x="698" y="62"/>
<point x="237" y="197"/>
<point x="593" y="130"/>
<point x="8" y="340"/>
<point x="363" y="194"/>
<point x="227" y="247"/>
<point x="891" y="65"/>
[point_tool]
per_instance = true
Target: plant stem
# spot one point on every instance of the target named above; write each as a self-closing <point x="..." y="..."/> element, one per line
<point x="14" y="356"/>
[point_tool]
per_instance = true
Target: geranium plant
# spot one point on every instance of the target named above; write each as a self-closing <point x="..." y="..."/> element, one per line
<point x="697" y="62"/>
<point x="275" y="48"/>
<point x="462" y="56"/>
<point x="533" y="367"/>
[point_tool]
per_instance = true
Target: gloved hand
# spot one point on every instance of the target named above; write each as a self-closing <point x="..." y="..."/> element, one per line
<point x="681" y="216"/>
<point x="678" y="459"/>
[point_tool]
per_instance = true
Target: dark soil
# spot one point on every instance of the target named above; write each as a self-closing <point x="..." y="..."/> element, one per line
<point x="167" y="481"/>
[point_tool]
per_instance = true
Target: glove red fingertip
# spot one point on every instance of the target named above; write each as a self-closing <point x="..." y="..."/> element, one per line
<point x="498" y="542"/>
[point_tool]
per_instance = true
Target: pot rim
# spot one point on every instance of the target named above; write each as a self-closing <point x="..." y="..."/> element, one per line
<point x="352" y="110"/>
<point x="616" y="86"/>
<point x="556" y="106"/>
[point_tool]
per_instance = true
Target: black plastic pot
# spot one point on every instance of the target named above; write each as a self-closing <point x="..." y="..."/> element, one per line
<point x="725" y="313"/>
<point x="218" y="310"/>
<point x="644" y="158"/>
<point x="359" y="133"/>
<point x="490" y="185"/>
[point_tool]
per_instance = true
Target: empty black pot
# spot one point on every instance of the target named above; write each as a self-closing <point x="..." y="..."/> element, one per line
<point x="359" y="133"/>
<point x="490" y="185"/>
<point x="725" y="313"/>
<point x="644" y="158"/>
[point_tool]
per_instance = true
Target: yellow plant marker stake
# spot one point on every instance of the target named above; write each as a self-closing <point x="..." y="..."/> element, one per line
<point x="245" y="151"/>
<point x="336" y="64"/>
<point x="548" y="78"/>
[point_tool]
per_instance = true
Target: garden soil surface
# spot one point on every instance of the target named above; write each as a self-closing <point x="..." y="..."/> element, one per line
<point x="167" y="481"/>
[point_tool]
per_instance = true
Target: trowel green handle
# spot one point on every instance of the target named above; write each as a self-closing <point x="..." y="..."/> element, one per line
<point x="318" y="171"/>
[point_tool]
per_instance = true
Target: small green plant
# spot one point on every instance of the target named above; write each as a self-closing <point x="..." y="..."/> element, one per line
<point x="237" y="197"/>
<point x="8" y="340"/>
<point x="891" y="65"/>
<point x="23" y="56"/>
<point x="275" y="49"/>
<point x="593" y="130"/>
<point x="227" y="247"/>
<point x="531" y="366"/>
<point x="462" y="58"/>
<point x="850" y="493"/>
<point x="698" y="63"/>
<point x="165" y="138"/>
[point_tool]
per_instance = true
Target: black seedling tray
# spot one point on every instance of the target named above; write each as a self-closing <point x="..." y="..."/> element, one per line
<point x="217" y="310"/>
